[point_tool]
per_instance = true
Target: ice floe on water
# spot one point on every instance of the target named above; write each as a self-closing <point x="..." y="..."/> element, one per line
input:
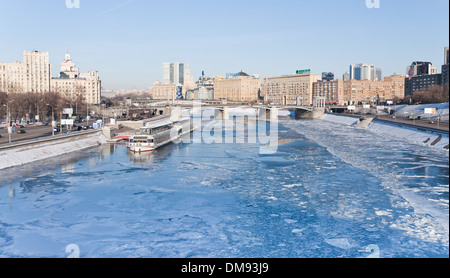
<point x="419" y="204"/>
<point x="337" y="192"/>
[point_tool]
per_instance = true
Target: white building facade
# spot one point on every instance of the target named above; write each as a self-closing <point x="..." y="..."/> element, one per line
<point x="72" y="83"/>
<point x="34" y="75"/>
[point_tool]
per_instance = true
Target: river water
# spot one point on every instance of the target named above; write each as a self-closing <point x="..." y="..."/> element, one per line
<point x="329" y="191"/>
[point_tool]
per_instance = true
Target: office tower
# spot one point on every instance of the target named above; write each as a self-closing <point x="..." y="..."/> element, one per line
<point x="363" y="72"/>
<point x="420" y="68"/>
<point x="446" y="56"/>
<point x="173" y="73"/>
<point x="346" y="76"/>
<point x="380" y="74"/>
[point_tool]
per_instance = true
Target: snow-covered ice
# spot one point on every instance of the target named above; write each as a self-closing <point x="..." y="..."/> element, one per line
<point x="338" y="192"/>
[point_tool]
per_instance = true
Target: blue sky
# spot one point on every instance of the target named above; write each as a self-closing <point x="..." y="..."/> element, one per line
<point x="128" y="40"/>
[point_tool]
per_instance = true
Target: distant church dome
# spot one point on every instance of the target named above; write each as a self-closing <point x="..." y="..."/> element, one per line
<point x="242" y="74"/>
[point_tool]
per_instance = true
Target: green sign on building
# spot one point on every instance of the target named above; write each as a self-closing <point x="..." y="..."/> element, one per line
<point x="303" y="71"/>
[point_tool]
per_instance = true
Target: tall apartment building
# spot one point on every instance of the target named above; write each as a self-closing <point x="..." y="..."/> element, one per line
<point x="173" y="73"/>
<point x="290" y="89"/>
<point x="37" y="72"/>
<point x="34" y="75"/>
<point x="12" y="77"/>
<point x="239" y="88"/>
<point x="368" y="91"/>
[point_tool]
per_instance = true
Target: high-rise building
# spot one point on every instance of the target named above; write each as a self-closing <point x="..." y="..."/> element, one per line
<point x="446" y="56"/>
<point x="33" y="75"/>
<point x="173" y="73"/>
<point x="445" y="70"/>
<point x="37" y="74"/>
<point x="364" y="72"/>
<point x="346" y="76"/>
<point x="188" y="79"/>
<point x="380" y="74"/>
<point x="420" y="68"/>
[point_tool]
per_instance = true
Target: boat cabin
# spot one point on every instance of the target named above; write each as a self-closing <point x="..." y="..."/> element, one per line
<point x="157" y="127"/>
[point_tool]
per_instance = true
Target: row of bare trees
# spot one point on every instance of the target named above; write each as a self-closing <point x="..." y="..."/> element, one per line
<point x="26" y="106"/>
<point x="434" y="94"/>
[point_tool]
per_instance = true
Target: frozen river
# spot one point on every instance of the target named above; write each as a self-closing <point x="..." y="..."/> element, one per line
<point x="331" y="192"/>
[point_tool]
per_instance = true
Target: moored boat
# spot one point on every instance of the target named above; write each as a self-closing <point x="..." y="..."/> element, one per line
<point x="159" y="133"/>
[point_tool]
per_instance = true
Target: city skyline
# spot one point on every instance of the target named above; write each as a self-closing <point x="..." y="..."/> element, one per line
<point x="127" y="41"/>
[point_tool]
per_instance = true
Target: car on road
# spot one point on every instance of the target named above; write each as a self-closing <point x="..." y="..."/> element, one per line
<point x="21" y="131"/>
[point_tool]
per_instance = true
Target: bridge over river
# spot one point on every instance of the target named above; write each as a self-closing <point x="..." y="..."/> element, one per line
<point x="268" y="112"/>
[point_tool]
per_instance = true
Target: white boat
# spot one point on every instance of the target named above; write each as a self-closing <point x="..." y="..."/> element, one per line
<point x="158" y="133"/>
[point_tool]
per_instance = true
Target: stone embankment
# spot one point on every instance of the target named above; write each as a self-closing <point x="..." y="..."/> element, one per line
<point x="24" y="153"/>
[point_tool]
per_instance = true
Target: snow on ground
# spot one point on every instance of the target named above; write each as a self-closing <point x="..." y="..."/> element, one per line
<point x="442" y="111"/>
<point x="431" y="139"/>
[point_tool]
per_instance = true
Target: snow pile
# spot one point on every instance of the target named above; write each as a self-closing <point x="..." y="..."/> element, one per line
<point x="32" y="153"/>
